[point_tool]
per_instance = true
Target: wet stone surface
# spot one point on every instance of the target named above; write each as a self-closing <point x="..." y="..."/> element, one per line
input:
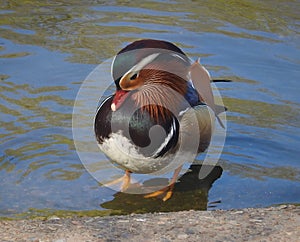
<point x="280" y="223"/>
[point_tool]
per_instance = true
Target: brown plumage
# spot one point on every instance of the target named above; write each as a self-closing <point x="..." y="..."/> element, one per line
<point x="162" y="82"/>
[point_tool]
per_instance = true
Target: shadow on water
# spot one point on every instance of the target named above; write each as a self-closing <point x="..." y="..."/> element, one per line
<point x="190" y="192"/>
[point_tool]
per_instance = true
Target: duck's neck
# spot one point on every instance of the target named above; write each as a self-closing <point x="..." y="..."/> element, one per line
<point x="161" y="98"/>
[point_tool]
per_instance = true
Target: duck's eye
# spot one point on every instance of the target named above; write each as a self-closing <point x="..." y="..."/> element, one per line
<point x="133" y="77"/>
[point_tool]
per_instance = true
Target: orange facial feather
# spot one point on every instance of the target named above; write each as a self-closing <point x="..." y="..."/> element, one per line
<point x="161" y="93"/>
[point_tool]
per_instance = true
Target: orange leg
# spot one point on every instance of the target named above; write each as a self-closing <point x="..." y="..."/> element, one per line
<point x="124" y="179"/>
<point x="168" y="189"/>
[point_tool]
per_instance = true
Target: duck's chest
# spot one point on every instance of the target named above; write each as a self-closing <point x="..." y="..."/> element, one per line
<point x="134" y="140"/>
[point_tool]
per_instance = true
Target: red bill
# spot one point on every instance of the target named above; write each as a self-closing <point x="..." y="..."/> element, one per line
<point x="118" y="100"/>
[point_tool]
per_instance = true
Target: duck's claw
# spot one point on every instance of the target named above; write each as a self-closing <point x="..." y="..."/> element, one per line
<point x="157" y="193"/>
<point x="124" y="179"/>
<point x="168" y="195"/>
<point x="167" y="190"/>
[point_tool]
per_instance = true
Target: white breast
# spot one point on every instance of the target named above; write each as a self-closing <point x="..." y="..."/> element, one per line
<point x="121" y="151"/>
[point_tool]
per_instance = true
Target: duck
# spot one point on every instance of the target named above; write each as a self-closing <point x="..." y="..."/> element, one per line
<point x="161" y="115"/>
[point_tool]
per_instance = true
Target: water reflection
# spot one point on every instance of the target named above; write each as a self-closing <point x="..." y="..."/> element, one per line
<point x="190" y="192"/>
<point x="262" y="114"/>
<point x="260" y="172"/>
<point x="35" y="129"/>
<point x="84" y="29"/>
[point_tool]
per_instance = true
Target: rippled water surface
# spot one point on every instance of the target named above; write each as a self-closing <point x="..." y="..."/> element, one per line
<point x="47" y="49"/>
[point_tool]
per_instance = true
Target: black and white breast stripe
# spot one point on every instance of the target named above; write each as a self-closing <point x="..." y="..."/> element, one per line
<point x="151" y="138"/>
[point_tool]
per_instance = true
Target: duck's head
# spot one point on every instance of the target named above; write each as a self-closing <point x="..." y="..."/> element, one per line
<point x="142" y="68"/>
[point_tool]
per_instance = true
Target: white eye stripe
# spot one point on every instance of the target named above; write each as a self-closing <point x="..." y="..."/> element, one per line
<point x="145" y="61"/>
<point x="180" y="57"/>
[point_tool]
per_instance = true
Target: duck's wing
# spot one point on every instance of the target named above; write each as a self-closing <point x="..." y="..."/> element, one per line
<point x="201" y="81"/>
<point x="195" y="122"/>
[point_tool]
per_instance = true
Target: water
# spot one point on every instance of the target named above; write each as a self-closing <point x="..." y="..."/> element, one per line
<point x="47" y="49"/>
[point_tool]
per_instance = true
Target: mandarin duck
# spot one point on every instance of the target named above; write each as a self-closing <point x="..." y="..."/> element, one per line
<point x="161" y="112"/>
